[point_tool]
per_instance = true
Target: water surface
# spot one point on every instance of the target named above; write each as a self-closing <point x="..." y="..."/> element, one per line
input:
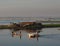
<point x="48" y="37"/>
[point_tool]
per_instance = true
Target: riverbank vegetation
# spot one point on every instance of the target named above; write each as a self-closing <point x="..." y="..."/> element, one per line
<point x="35" y="26"/>
<point x="51" y="25"/>
<point x="4" y="27"/>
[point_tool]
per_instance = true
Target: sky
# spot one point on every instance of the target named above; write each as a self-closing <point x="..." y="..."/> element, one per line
<point x="29" y="8"/>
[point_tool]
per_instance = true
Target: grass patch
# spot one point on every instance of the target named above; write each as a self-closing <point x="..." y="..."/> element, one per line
<point x="31" y="26"/>
<point x="51" y="25"/>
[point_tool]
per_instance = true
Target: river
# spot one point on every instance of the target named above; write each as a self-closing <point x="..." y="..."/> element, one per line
<point x="47" y="37"/>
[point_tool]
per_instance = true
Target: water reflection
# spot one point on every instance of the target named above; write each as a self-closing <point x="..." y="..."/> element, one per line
<point x="51" y="36"/>
<point x="31" y="34"/>
<point x="34" y="34"/>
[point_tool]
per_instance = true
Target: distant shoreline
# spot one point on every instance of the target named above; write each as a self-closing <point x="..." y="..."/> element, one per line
<point x="43" y="26"/>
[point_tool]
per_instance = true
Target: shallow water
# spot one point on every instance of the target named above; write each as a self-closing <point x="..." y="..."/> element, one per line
<point x="4" y="21"/>
<point x="48" y="37"/>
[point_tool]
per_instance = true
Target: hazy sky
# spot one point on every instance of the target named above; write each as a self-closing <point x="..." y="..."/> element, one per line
<point x="30" y="8"/>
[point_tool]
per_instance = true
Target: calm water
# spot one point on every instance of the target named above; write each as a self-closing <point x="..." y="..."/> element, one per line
<point x="48" y="37"/>
<point x="5" y="22"/>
